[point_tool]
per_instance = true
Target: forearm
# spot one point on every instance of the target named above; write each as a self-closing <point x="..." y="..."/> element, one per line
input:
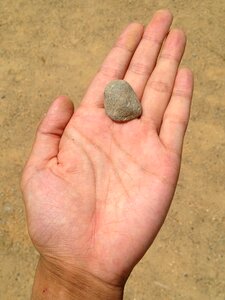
<point x="54" y="283"/>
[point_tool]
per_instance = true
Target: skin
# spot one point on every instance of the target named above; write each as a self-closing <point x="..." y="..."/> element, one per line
<point x="97" y="192"/>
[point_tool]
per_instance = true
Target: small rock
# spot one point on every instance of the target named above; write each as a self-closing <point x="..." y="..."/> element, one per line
<point x="121" y="103"/>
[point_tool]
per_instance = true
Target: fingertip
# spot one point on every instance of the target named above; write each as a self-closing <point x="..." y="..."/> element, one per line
<point x="62" y="99"/>
<point x="136" y="25"/>
<point x="162" y="16"/>
<point x="180" y="32"/>
<point x="178" y="35"/>
<point x="187" y="73"/>
<point x="130" y="37"/>
<point x="164" y="12"/>
<point x="62" y="103"/>
<point x="133" y="27"/>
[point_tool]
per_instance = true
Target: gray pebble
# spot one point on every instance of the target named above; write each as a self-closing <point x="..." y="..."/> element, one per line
<point x="121" y="103"/>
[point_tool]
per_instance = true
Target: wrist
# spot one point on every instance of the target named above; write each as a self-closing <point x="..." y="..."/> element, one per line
<point x="54" y="282"/>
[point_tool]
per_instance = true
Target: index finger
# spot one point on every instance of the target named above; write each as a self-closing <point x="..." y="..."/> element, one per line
<point x="115" y="64"/>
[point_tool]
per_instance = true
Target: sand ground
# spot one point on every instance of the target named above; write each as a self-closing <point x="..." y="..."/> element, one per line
<point x="54" y="47"/>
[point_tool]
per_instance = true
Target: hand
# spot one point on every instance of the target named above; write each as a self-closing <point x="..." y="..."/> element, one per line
<point x="97" y="192"/>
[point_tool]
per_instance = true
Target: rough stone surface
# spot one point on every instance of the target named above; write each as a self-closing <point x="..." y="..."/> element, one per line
<point x="121" y="102"/>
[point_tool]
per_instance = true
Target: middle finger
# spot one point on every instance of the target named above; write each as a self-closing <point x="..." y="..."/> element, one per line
<point x="145" y="56"/>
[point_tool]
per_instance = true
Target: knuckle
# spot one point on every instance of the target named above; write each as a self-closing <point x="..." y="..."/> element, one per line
<point x="182" y="93"/>
<point x="110" y="72"/>
<point x="169" y="57"/>
<point x="160" y="86"/>
<point x="150" y="38"/>
<point x="175" y="119"/>
<point x="139" y="68"/>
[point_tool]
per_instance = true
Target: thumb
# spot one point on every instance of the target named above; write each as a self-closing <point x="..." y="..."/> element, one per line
<point x="49" y="132"/>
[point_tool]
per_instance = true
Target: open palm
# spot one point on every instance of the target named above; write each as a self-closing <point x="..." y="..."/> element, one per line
<point x="97" y="191"/>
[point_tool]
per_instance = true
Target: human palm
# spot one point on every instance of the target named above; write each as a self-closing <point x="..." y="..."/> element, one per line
<point x="97" y="191"/>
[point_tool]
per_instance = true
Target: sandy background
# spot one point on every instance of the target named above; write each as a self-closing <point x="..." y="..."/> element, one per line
<point x="52" y="47"/>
